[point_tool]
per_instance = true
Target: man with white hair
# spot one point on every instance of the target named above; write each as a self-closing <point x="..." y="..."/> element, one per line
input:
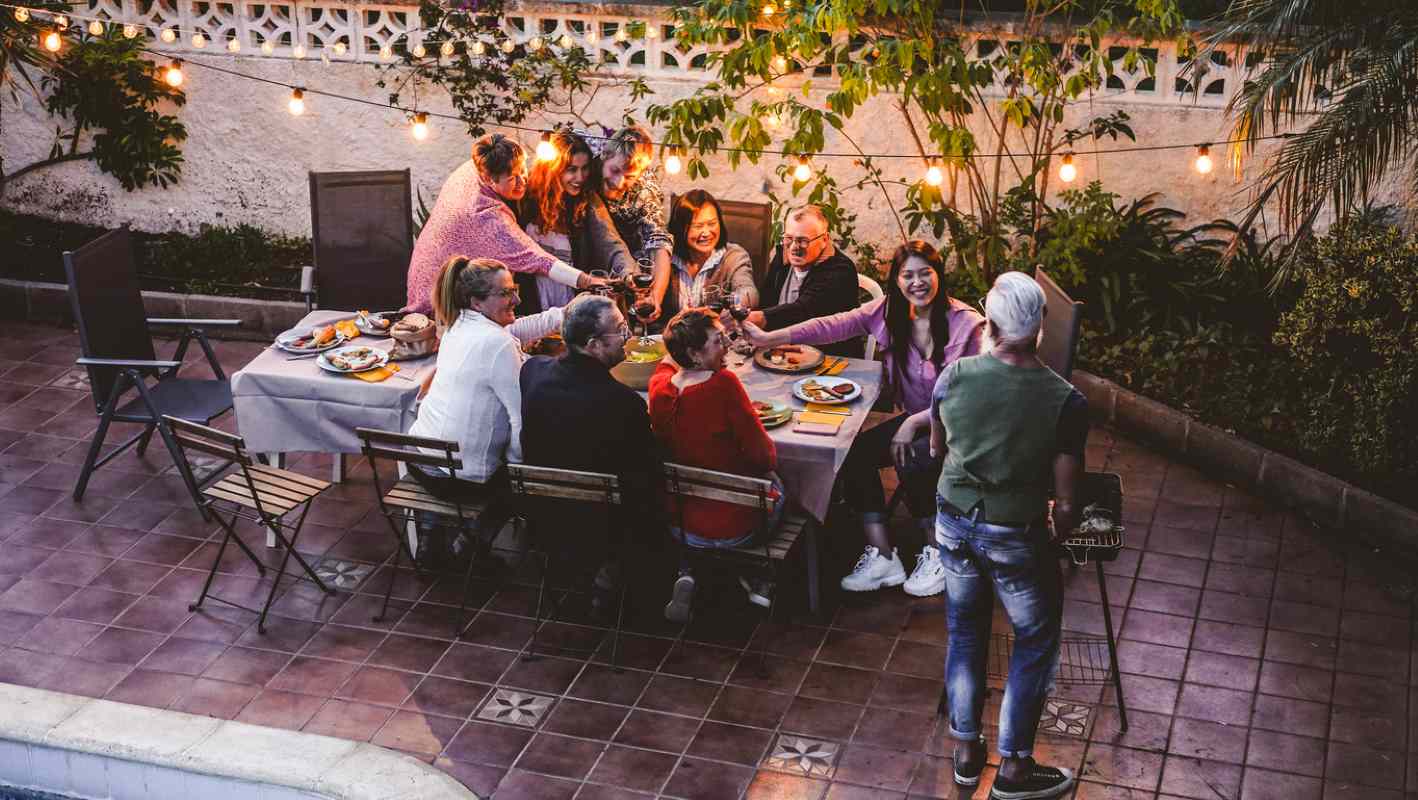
<point x="1011" y="430"/>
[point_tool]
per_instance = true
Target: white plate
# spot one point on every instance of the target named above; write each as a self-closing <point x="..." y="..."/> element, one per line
<point x="283" y="341"/>
<point x="369" y="330"/>
<point x="380" y="359"/>
<point x="828" y="381"/>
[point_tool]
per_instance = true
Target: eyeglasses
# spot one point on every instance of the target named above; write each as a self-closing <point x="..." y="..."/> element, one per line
<point x="510" y="294"/>
<point x="623" y="332"/>
<point x="795" y="242"/>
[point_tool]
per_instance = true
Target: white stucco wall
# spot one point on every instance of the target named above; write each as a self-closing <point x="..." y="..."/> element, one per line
<point x="247" y="158"/>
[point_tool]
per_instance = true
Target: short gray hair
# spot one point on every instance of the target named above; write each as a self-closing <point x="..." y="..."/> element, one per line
<point x="1016" y="306"/>
<point x="812" y="211"/>
<point x="582" y="319"/>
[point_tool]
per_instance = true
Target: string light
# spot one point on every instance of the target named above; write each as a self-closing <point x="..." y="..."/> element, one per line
<point x="1203" y="159"/>
<point x="508" y="46"/>
<point x="268" y="47"/>
<point x="298" y="51"/>
<point x="566" y="41"/>
<point x="297" y="102"/>
<point x="22" y="14"/>
<point x="386" y="53"/>
<point x="1067" y="171"/>
<point x="535" y="44"/>
<point x="95" y="28"/>
<point x="934" y="175"/>
<point x="672" y="162"/>
<point x="780" y="63"/>
<point x="233" y="46"/>
<point x="130" y="31"/>
<point x="340" y="47"/>
<point x="652" y="31"/>
<point x="420" y="51"/>
<point x="803" y="171"/>
<point x="61" y="22"/>
<point x="768" y="10"/>
<point x="168" y="35"/>
<point x="446" y="49"/>
<point x="479" y="47"/>
<point x="591" y="34"/>
<point x="620" y="34"/>
<point x="52" y="41"/>
<point x="198" y="40"/>
<point x="771" y="121"/>
<point x="172" y="76"/>
<point x="420" y="127"/>
<point x="546" y="151"/>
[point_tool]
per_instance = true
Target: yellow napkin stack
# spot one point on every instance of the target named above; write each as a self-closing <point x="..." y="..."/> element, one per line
<point x="835" y="420"/>
<point x="827" y="408"/>
<point x="376" y="375"/>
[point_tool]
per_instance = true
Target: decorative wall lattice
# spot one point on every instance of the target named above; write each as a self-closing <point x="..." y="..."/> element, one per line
<point x="356" y="31"/>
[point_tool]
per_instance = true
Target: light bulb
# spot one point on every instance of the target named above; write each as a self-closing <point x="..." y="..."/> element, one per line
<point x="1067" y="171"/>
<point x="267" y="47"/>
<point x="768" y="10"/>
<point x="233" y="46"/>
<point x="385" y="53"/>
<point x="508" y="46"/>
<point x="672" y="164"/>
<point x="130" y="31"/>
<point x="172" y="76"/>
<point x="22" y="15"/>
<point x="535" y="44"/>
<point x="420" y="51"/>
<point x="591" y="35"/>
<point x="446" y="49"/>
<point x="620" y="34"/>
<point x="199" y="41"/>
<point x="53" y="41"/>
<point x="298" y="51"/>
<point x="420" y="128"/>
<point x="95" y="28"/>
<point x="61" y="22"/>
<point x="934" y="176"/>
<point x="1203" y="159"/>
<point x="802" y="172"/>
<point x="340" y="48"/>
<point x="546" y="151"/>
<point x="780" y="63"/>
<point x="652" y="31"/>
<point x="479" y="47"/>
<point x="168" y="35"/>
<point x="770" y="121"/>
<point x="566" y="41"/>
<point x="297" y="102"/>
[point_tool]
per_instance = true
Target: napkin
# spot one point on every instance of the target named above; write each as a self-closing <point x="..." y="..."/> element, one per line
<point x="834" y="420"/>
<point x="348" y="328"/>
<point x="833" y="366"/>
<point x="376" y="375"/>
<point x="824" y="408"/>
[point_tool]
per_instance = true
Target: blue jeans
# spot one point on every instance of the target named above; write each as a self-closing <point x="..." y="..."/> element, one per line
<point x="981" y="560"/>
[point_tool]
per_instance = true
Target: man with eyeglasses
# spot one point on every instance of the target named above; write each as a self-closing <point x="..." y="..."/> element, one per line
<point x="808" y="278"/>
<point x="576" y="415"/>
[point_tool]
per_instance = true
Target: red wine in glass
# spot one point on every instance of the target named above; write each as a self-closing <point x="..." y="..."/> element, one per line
<point x="739" y="312"/>
<point x="642" y="281"/>
<point x="644" y="309"/>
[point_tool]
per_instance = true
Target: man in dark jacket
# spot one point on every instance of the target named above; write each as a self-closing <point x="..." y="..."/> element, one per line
<point x="576" y="415"/>
<point x="808" y="278"/>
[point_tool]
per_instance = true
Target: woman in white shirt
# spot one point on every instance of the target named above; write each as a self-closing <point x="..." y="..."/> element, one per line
<point x="475" y="397"/>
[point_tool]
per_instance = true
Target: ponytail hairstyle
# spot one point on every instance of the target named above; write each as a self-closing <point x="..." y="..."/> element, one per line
<point x="495" y="154"/>
<point x="462" y="280"/>
<point x="556" y="211"/>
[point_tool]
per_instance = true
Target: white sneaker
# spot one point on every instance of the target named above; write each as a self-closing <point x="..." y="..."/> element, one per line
<point x="928" y="577"/>
<point x="873" y="571"/>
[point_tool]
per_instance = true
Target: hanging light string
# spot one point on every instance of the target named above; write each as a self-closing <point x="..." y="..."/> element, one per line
<point x="802" y="170"/>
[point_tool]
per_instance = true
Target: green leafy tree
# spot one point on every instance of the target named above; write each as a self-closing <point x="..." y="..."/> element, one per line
<point x="944" y="75"/>
<point x="1347" y="72"/>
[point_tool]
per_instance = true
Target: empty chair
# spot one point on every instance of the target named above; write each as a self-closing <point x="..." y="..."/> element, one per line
<point x="873" y="290"/>
<point x="363" y="236"/>
<point x="1061" y="326"/>
<point x="253" y="492"/>
<point x="118" y="354"/>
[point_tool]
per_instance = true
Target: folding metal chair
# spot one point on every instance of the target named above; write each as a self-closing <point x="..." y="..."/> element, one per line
<point x="254" y="492"/>
<point x="408" y="498"/>
<point x="589" y="488"/>
<point x="118" y="354"/>
<point x="770" y="548"/>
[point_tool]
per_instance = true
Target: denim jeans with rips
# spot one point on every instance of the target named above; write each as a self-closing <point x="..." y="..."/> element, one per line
<point x="982" y="560"/>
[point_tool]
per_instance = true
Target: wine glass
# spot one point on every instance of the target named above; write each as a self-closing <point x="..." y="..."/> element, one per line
<point x="643" y="310"/>
<point x="713" y="298"/>
<point x="739" y="308"/>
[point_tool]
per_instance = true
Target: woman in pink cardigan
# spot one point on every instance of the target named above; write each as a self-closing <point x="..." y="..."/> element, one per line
<point x="474" y="218"/>
<point x="920" y="330"/>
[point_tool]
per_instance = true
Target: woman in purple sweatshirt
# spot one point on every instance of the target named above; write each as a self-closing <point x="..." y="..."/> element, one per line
<point x="920" y="330"/>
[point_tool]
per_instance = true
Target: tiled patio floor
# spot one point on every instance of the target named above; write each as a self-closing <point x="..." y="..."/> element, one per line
<point x="1262" y="659"/>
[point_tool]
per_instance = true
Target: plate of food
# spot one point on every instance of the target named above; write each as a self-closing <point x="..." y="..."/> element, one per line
<point x="827" y="390"/>
<point x="789" y="358"/>
<point x="314" y="340"/>
<point x="353" y="359"/>
<point x="772" y="414"/>
<point x="376" y="323"/>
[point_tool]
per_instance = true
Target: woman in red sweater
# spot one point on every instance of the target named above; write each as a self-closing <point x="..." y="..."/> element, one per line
<point x="703" y="418"/>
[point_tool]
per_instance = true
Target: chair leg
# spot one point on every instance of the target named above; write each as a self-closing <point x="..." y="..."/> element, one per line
<point x="541" y="600"/>
<point x="814" y="588"/>
<point x="91" y="460"/>
<point x="389" y="590"/>
<point x="1112" y="647"/>
<point x="275" y="586"/>
<point x="230" y="533"/>
<point x="145" y="438"/>
<point x="619" y="618"/>
<point x="475" y="542"/>
<point x="275" y="528"/>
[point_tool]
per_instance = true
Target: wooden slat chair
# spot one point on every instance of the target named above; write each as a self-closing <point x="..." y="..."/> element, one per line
<point x="772" y="547"/>
<point x="263" y="495"/>
<point x="407" y="498"/>
<point x="591" y="488"/>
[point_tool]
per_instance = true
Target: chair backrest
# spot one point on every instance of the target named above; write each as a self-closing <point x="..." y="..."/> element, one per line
<point x="566" y="484"/>
<point x="108" y="306"/>
<point x="1061" y="326"/>
<point x="363" y="227"/>
<point x="750" y="226"/>
<point x="209" y="440"/>
<point x="726" y="487"/>
<point x="405" y="449"/>
<point x="873" y="290"/>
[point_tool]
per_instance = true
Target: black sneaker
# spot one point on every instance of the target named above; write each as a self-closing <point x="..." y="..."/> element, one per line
<point x="969" y="774"/>
<point x="1040" y="783"/>
<point x="678" y="609"/>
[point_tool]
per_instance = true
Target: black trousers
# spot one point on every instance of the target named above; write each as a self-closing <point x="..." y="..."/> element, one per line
<point x="494" y="494"/>
<point x="861" y="481"/>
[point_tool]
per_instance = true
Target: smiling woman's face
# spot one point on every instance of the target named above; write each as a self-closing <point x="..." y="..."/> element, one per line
<point x="702" y="235"/>
<point x="918" y="282"/>
<point x="577" y="172"/>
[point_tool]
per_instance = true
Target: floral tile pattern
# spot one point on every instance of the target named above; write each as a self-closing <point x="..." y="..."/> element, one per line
<point x="1065" y="718"/>
<point x="801" y="755"/>
<point x="516" y="708"/>
<point x="342" y="574"/>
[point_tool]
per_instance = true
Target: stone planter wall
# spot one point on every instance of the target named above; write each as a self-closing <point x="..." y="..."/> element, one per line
<point x="1329" y="501"/>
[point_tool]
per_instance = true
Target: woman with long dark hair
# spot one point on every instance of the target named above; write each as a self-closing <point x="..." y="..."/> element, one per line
<point x="564" y="213"/>
<point x="921" y="330"/>
<point x="703" y="255"/>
